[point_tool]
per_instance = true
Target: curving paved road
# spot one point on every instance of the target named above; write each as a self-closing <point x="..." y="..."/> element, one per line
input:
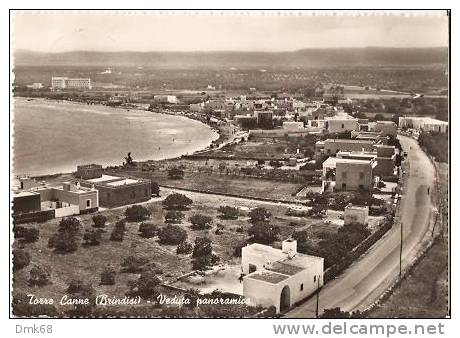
<point x="362" y="283"/>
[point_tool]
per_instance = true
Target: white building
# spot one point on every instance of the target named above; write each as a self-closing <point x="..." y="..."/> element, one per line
<point x="35" y="85"/>
<point x="165" y="99"/>
<point x="424" y="124"/>
<point x="340" y="123"/>
<point x="70" y="83"/>
<point x="356" y="214"/>
<point x="279" y="278"/>
<point x="293" y="126"/>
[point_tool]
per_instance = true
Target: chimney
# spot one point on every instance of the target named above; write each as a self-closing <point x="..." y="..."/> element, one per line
<point x="289" y="246"/>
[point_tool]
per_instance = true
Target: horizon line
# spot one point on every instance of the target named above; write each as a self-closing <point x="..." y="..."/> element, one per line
<point x="224" y="51"/>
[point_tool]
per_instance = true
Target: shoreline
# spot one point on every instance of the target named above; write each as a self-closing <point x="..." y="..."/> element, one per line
<point x="221" y="136"/>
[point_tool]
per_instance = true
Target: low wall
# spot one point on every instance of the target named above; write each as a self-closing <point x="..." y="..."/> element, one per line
<point x="67" y="211"/>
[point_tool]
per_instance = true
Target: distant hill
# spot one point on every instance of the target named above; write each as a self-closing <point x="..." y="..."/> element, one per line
<point x="305" y="58"/>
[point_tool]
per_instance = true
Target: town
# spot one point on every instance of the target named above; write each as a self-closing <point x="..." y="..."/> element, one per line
<point x="297" y="188"/>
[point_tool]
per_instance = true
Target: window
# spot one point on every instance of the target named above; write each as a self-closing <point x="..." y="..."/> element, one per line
<point x="301" y="287"/>
<point x="252" y="268"/>
<point x="314" y="279"/>
<point x="88" y="203"/>
<point x="343" y="125"/>
<point x="344" y="185"/>
<point x="361" y="187"/>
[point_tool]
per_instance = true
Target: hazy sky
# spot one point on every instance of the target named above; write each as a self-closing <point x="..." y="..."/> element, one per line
<point x="103" y="31"/>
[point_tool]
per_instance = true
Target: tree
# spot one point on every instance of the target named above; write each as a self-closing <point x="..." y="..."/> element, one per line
<point x="175" y="173"/>
<point x="259" y="215"/>
<point x="263" y="232"/>
<point x="136" y="213"/>
<point x="148" y="230"/>
<point x="70" y="224"/>
<point x="155" y="189"/>
<point x="177" y="201"/>
<point x="184" y="248"/>
<point x="134" y="264"/>
<point x="99" y="221"/>
<point x="317" y="211"/>
<point x="200" y="222"/>
<point x="145" y="286"/>
<point x="172" y="235"/>
<point x="129" y="159"/>
<point x="174" y="216"/>
<point x="39" y="276"/>
<point x="92" y="237"/>
<point x="118" y="232"/>
<point x="21" y="259"/>
<point x="63" y="242"/>
<point x="108" y="276"/>
<point x="202" y="254"/>
<point x="228" y="212"/>
<point x="30" y="235"/>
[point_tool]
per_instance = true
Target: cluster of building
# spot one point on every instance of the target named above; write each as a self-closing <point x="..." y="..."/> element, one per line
<point x="354" y="164"/>
<point x="33" y="202"/>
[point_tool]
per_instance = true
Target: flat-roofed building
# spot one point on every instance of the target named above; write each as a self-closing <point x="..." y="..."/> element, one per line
<point x="172" y="99"/>
<point x="356" y="215"/>
<point x="88" y="171"/>
<point x="330" y="147"/>
<point x="116" y="191"/>
<point x="279" y="277"/>
<point x="69" y="199"/>
<point x="347" y="174"/>
<point x="293" y="126"/>
<point x="341" y="123"/>
<point x="59" y="82"/>
<point x="427" y="124"/>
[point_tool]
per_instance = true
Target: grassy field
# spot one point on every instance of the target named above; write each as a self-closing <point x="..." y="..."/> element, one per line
<point x="424" y="293"/>
<point x="243" y="186"/>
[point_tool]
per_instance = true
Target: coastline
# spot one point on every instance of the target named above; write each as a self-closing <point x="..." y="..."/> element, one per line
<point x="219" y="137"/>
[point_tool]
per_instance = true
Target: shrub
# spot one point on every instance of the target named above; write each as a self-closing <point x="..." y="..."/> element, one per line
<point x="259" y="215"/>
<point x="22" y="308"/>
<point x="63" y="242"/>
<point x="177" y="202"/>
<point x="145" y="286"/>
<point x="78" y="289"/>
<point x="30" y="235"/>
<point x="70" y="225"/>
<point x="263" y="232"/>
<point x="21" y="259"/>
<point x="200" y="222"/>
<point x="174" y="216"/>
<point x="175" y="173"/>
<point x="117" y="235"/>
<point x="18" y="231"/>
<point x="184" y="248"/>
<point x="99" y="221"/>
<point x="134" y="264"/>
<point x="136" y="213"/>
<point x="108" y="276"/>
<point x="148" y="230"/>
<point x="120" y="225"/>
<point x="172" y="234"/>
<point x="39" y="276"/>
<point x="228" y="212"/>
<point x="92" y="237"/>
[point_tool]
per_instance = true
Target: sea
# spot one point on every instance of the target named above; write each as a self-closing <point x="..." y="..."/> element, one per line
<point x="52" y="137"/>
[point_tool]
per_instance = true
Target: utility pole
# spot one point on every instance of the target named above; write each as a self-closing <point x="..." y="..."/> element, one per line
<point x="317" y="296"/>
<point x="400" y="253"/>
